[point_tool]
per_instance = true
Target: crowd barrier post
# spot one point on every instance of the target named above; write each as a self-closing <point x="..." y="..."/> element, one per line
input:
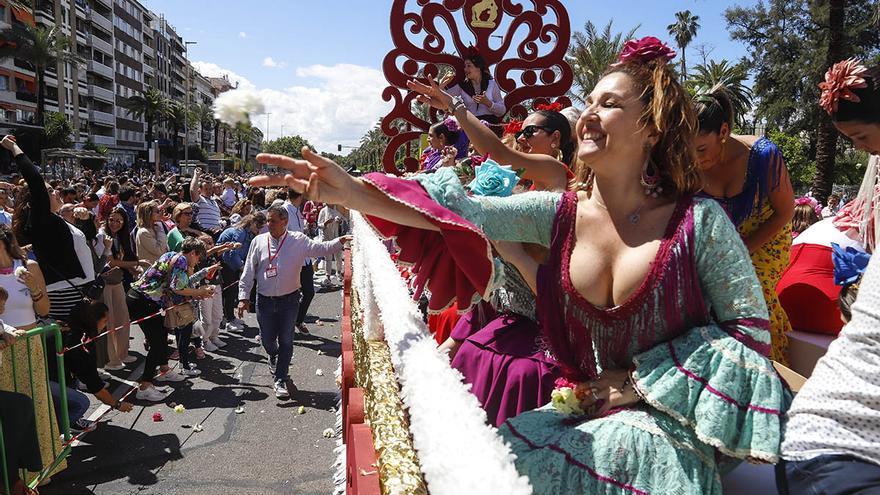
<point x="41" y="333"/>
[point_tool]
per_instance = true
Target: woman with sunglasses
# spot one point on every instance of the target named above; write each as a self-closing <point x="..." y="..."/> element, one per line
<point x="832" y="436"/>
<point x="62" y="249"/>
<point x="665" y="366"/>
<point x="183" y="220"/>
<point x="497" y="345"/>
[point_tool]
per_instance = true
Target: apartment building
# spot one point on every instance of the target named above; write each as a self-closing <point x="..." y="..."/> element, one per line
<point x="126" y="49"/>
<point x="18" y="87"/>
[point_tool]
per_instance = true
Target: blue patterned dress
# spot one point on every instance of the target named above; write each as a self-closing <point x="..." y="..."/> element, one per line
<point x="695" y="333"/>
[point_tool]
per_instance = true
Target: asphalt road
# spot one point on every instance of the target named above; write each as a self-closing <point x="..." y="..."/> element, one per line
<point x="271" y="447"/>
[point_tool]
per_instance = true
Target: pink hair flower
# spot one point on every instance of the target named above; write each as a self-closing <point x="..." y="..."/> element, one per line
<point x="645" y="50"/>
<point x="840" y="80"/>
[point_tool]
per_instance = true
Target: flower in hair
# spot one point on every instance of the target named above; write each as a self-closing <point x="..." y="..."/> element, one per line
<point x="451" y="124"/>
<point x="473" y="51"/>
<point x="550" y="107"/>
<point x="513" y="127"/>
<point x="806" y="200"/>
<point x="645" y="50"/>
<point x="840" y="80"/>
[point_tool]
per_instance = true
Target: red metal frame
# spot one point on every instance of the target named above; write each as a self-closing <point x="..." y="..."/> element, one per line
<point x="420" y="47"/>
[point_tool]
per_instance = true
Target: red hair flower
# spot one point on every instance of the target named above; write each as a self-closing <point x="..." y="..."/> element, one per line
<point x="552" y="107"/>
<point x="645" y="50"/>
<point x="840" y="80"/>
<point x="513" y="127"/>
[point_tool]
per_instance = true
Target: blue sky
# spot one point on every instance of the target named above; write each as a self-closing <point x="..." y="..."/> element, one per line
<point x="317" y="64"/>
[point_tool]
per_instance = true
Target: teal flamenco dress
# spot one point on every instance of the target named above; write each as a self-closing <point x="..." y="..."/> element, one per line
<point x="695" y="334"/>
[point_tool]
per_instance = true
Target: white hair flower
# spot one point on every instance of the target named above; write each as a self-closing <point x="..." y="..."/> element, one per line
<point x="235" y="107"/>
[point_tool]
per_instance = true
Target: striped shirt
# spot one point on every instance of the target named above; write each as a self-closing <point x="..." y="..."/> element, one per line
<point x="209" y="213"/>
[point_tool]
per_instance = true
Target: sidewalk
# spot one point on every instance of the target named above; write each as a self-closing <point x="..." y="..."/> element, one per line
<point x="269" y="448"/>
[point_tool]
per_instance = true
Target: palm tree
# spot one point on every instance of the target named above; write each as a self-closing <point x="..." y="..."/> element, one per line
<point x="152" y="106"/>
<point x="591" y="53"/>
<point x="731" y="76"/>
<point x="203" y="115"/>
<point x="826" y="135"/>
<point x="41" y="48"/>
<point x="176" y="117"/>
<point x="683" y="30"/>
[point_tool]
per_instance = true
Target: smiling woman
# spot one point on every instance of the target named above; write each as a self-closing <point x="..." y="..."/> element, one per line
<point x="661" y="325"/>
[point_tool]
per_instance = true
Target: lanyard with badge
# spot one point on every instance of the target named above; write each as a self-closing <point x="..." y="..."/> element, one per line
<point x="271" y="269"/>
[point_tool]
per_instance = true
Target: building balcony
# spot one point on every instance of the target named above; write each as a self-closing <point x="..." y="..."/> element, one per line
<point x="149" y="51"/>
<point x="100" y="69"/>
<point x="106" y="3"/>
<point x="100" y="21"/>
<point x="26" y="96"/>
<point x="103" y="140"/>
<point x="149" y="71"/>
<point x="102" y="94"/>
<point x="102" y="45"/>
<point x="102" y="117"/>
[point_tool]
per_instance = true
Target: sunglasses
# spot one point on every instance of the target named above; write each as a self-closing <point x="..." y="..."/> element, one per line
<point x="530" y="130"/>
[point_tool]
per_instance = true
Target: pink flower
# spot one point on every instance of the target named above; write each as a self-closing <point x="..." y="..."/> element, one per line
<point x="840" y="80"/>
<point x="563" y="382"/>
<point x="645" y="50"/>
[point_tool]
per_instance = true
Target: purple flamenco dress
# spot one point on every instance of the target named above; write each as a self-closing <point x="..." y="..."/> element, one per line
<point x="503" y="355"/>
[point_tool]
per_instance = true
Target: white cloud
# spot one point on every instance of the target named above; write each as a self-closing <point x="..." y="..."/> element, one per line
<point x="209" y="69"/>
<point x="343" y="102"/>
<point x="242" y="34"/>
<point x="271" y="63"/>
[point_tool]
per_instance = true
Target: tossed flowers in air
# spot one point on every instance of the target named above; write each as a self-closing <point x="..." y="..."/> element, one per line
<point x="492" y="179"/>
<point x="237" y="106"/>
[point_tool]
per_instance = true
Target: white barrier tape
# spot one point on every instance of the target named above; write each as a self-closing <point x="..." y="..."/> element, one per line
<point x="464" y="455"/>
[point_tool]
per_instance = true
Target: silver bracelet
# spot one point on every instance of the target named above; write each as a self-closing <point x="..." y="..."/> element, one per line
<point x="457" y="102"/>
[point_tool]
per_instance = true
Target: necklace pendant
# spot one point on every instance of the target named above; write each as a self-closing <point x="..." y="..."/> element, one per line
<point x="634" y="218"/>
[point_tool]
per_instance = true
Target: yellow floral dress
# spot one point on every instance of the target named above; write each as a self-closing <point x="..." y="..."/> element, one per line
<point x="749" y="210"/>
<point x="770" y="260"/>
<point x="35" y="386"/>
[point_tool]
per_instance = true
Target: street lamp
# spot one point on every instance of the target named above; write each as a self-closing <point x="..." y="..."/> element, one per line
<point x="267" y="125"/>
<point x="186" y="106"/>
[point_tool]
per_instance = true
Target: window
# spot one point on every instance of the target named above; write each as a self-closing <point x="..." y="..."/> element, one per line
<point x="4" y="83"/>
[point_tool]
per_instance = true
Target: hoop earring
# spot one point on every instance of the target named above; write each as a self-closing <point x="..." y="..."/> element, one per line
<point x="650" y="178"/>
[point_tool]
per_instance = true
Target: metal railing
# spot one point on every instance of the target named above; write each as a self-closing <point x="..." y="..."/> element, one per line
<point x="41" y="333"/>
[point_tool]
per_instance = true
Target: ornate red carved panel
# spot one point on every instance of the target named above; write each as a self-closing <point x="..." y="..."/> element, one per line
<point x="527" y="61"/>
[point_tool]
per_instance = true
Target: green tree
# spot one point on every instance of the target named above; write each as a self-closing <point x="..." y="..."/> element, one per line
<point x="287" y="145"/>
<point x="684" y="29"/>
<point x="203" y="117"/>
<point x="176" y="118"/>
<point x="152" y="106"/>
<point x="57" y="130"/>
<point x="198" y="153"/>
<point x="791" y="44"/>
<point x="732" y="76"/>
<point x="591" y="52"/>
<point x="801" y="168"/>
<point x="40" y="48"/>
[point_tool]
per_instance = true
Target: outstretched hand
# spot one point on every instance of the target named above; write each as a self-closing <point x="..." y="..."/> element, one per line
<point x="432" y="95"/>
<point x="316" y="177"/>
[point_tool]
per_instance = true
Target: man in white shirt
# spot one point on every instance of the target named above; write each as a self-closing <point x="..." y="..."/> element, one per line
<point x="274" y="260"/>
<point x="296" y="222"/>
